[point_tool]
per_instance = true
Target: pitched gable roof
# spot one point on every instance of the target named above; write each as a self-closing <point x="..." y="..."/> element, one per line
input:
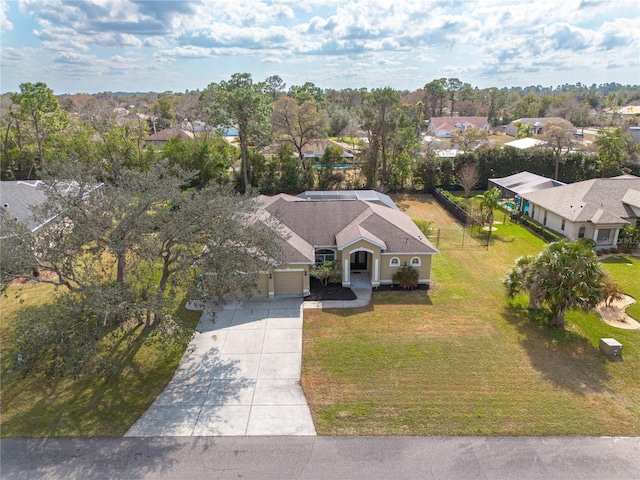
<point x="340" y="223"/>
<point x="168" y="133"/>
<point x="449" y="123"/>
<point x="598" y="200"/>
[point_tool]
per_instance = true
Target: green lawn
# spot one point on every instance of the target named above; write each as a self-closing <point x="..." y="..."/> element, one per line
<point x="34" y="407"/>
<point x="462" y="360"/>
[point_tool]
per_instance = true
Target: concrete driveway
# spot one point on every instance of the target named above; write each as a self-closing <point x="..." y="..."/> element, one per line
<point x="239" y="376"/>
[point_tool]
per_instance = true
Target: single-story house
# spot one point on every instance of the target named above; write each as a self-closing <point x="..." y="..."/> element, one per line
<point x="363" y="237"/>
<point x="520" y="183"/>
<point x="444" y="127"/>
<point x="537" y="124"/>
<point x="595" y="209"/>
<point x="163" y="136"/>
<point x="17" y="198"/>
<point x="525" y="143"/>
<point x="314" y="150"/>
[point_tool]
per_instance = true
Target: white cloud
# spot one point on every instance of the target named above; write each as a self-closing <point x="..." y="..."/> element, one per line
<point x="5" y="25"/>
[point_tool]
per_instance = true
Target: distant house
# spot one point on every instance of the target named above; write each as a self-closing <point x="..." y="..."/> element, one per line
<point x="595" y="209"/>
<point x="364" y="232"/>
<point x="523" y="182"/>
<point x="537" y="124"/>
<point x="163" y="136"/>
<point x="443" y="127"/>
<point x="314" y="150"/>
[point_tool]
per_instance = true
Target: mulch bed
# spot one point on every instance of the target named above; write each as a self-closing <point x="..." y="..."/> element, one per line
<point x="333" y="291"/>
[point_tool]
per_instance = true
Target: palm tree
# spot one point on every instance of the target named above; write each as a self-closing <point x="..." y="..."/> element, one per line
<point x="520" y="280"/>
<point x="489" y="201"/>
<point x="525" y="130"/>
<point x="564" y="276"/>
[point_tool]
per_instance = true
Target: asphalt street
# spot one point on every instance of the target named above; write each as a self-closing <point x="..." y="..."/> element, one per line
<point x="367" y="458"/>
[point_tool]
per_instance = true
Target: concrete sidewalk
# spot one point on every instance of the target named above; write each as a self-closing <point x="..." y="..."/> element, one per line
<point x="239" y="376"/>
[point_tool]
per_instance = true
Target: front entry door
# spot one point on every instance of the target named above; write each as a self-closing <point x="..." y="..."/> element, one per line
<point x="359" y="261"/>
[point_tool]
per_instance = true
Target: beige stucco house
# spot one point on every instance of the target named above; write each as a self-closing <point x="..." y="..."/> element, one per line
<point x="362" y="236"/>
<point x="595" y="209"/>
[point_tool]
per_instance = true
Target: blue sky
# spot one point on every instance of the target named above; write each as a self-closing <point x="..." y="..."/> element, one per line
<point x="138" y="45"/>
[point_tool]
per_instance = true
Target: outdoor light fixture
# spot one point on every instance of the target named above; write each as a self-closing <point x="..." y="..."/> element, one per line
<point x="405" y="264"/>
<point x="305" y="273"/>
<point x="270" y="276"/>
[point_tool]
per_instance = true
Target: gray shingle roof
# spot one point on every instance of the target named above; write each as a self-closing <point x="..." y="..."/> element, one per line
<point x="325" y="223"/>
<point x="598" y="201"/>
<point x="16" y="198"/>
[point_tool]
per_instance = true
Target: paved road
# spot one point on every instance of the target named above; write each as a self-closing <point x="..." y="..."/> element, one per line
<point x="239" y="376"/>
<point x="319" y="458"/>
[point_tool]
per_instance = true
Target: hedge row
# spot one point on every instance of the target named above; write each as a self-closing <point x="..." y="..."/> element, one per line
<point x="540" y="230"/>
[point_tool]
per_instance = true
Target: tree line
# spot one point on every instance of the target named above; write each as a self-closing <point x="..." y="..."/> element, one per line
<point x="382" y="127"/>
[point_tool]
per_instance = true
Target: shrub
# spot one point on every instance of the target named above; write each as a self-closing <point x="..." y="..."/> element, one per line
<point x="324" y="271"/>
<point x="406" y="277"/>
<point x="425" y="226"/>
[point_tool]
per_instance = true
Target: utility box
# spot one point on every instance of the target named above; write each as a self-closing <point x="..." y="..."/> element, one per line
<point x="611" y="347"/>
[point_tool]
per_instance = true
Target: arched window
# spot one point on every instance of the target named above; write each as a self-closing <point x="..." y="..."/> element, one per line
<point x="325" y="255"/>
<point x="415" y="262"/>
<point x="581" y="232"/>
<point x="394" y="262"/>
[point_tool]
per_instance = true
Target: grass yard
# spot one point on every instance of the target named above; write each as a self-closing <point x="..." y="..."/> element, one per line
<point x="463" y="360"/>
<point x="33" y="407"/>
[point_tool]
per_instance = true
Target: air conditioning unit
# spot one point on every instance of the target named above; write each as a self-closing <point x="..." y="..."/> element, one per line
<point x="611" y="347"/>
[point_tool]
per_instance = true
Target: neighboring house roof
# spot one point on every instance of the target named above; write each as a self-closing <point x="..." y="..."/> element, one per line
<point x="341" y="223"/>
<point x="365" y="195"/>
<point x="451" y="123"/>
<point x="537" y="123"/>
<point x="601" y="200"/>
<point x="524" y="143"/>
<point x="315" y="148"/>
<point x="525" y="182"/>
<point x="168" y="133"/>
<point x="17" y="198"/>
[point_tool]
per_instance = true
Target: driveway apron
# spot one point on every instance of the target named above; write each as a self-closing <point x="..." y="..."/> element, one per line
<point x="239" y="376"/>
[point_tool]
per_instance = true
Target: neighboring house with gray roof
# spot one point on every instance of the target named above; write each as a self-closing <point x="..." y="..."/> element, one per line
<point x="523" y="182"/>
<point x="595" y="209"/>
<point x="447" y="127"/>
<point x="361" y="236"/>
<point x="537" y="124"/>
<point x="17" y="198"/>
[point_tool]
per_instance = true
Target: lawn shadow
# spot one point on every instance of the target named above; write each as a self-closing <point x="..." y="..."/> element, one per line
<point x="402" y="297"/>
<point x="562" y="357"/>
<point x="347" y="312"/>
<point x="617" y="259"/>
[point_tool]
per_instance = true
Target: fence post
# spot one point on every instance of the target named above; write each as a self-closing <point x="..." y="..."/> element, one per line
<point x="438" y="239"/>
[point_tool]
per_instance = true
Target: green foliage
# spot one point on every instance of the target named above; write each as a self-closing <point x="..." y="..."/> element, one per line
<point x="613" y="149"/>
<point x="565" y="275"/>
<point x="328" y="178"/>
<point x="406" y="277"/>
<point x="425" y="226"/>
<point x="242" y="104"/>
<point x="39" y="110"/>
<point x="324" y="271"/>
<point x="543" y="232"/>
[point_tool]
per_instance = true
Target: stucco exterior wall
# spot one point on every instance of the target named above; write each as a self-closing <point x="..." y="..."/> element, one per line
<point x="387" y="270"/>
